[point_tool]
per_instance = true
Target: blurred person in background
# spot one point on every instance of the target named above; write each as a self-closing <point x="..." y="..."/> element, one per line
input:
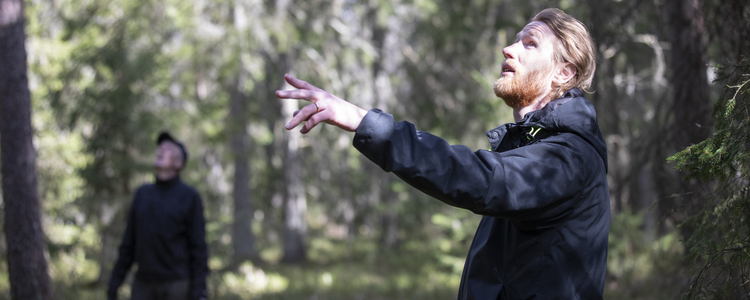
<point x="541" y="188"/>
<point x="165" y="234"/>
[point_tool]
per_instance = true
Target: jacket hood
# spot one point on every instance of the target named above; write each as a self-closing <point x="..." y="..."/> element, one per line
<point x="570" y="113"/>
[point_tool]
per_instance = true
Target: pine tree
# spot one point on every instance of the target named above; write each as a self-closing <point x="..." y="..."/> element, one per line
<point x="720" y="245"/>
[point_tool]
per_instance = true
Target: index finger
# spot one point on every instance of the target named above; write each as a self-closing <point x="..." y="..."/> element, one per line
<point x="295" y="94"/>
<point x="299" y="83"/>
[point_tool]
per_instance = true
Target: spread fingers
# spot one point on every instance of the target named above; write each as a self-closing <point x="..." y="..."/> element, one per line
<point x="302" y="115"/>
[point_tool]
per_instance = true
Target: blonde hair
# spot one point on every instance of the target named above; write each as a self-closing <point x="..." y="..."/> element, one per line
<point x="574" y="46"/>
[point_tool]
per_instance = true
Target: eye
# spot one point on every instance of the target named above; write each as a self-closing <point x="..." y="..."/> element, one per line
<point x="529" y="42"/>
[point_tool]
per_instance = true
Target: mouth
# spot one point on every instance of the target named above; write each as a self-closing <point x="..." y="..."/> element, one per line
<point x="507" y="69"/>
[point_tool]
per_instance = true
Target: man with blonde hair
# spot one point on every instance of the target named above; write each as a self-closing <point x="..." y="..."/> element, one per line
<point x="541" y="188"/>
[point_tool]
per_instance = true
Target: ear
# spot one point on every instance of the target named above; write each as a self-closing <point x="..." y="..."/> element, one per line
<point x="566" y="72"/>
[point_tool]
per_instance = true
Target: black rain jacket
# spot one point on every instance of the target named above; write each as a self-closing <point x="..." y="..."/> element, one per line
<point x="542" y="189"/>
<point x="165" y="236"/>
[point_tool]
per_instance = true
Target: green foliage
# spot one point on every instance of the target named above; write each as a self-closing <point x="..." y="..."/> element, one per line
<point x="724" y="155"/>
<point x="641" y="265"/>
<point x="719" y="245"/>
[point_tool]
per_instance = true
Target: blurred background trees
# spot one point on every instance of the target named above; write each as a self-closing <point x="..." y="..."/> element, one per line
<point x="307" y="217"/>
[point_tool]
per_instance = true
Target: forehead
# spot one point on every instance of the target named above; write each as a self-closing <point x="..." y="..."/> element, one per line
<point x="168" y="145"/>
<point x="536" y="29"/>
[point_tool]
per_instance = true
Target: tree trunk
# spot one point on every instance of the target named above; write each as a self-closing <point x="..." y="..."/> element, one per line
<point x="741" y="27"/>
<point x="691" y="104"/>
<point x="389" y="237"/>
<point x="243" y="240"/>
<point x="383" y="65"/>
<point x="111" y="226"/>
<point x="27" y="266"/>
<point x="295" y="203"/>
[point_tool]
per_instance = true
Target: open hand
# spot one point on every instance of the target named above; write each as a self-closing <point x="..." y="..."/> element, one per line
<point x="324" y="108"/>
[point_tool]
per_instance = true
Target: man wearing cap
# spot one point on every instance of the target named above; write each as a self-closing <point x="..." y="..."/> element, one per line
<point x="164" y="234"/>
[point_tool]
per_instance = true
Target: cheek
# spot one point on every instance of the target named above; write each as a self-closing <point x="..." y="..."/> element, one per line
<point x="535" y="64"/>
<point x="542" y="69"/>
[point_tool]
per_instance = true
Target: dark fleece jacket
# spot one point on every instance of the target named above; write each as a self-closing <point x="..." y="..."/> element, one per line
<point x="165" y="236"/>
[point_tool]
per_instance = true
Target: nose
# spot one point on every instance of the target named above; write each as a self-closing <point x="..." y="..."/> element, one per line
<point x="508" y="51"/>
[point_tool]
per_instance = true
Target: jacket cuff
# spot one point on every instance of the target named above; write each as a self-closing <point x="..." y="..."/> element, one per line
<point x="376" y="127"/>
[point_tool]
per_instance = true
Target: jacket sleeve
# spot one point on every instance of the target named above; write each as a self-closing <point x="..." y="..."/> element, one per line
<point x="198" y="250"/>
<point x="126" y="255"/>
<point x="536" y="184"/>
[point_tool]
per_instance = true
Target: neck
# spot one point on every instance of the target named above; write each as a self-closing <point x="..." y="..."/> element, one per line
<point x="520" y="112"/>
<point x="165" y="175"/>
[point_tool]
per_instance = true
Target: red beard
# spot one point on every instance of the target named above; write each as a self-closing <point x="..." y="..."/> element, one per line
<point x="521" y="89"/>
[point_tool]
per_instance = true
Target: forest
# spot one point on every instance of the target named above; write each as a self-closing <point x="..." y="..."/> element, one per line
<point x="87" y="85"/>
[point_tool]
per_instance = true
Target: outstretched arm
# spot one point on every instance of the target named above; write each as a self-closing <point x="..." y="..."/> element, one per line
<point x="537" y="185"/>
<point x="324" y="108"/>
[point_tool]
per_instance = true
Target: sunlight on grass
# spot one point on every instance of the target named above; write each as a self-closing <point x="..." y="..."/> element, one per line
<point x="326" y="278"/>
<point x="250" y="280"/>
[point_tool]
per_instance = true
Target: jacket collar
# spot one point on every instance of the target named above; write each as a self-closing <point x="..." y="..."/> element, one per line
<point x="169" y="182"/>
<point x="571" y="113"/>
<point x="510" y="135"/>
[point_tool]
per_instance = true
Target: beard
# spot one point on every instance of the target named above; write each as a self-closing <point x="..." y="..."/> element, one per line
<point x="521" y="89"/>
